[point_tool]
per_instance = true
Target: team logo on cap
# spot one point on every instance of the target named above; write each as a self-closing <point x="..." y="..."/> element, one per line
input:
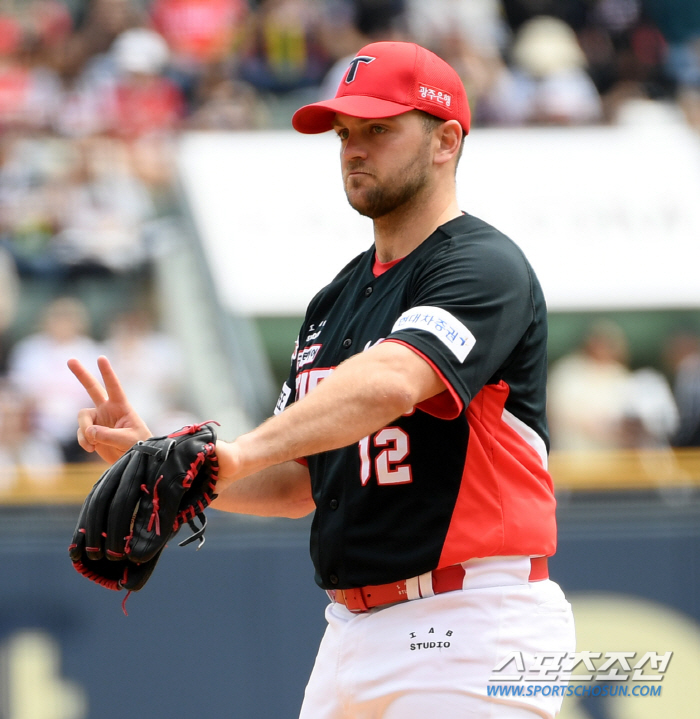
<point x="354" y="64"/>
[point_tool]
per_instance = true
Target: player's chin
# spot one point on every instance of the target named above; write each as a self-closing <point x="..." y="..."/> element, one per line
<point x="360" y="199"/>
<point x="363" y="208"/>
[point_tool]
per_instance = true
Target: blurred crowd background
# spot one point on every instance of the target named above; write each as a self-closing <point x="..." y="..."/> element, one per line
<point x="94" y="93"/>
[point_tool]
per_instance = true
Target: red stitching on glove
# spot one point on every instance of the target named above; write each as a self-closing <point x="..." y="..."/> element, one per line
<point x="123" y="581"/>
<point x="193" y="428"/>
<point x="108" y="583"/>
<point x="156" y="508"/>
<point x="127" y="542"/>
<point x="193" y="470"/>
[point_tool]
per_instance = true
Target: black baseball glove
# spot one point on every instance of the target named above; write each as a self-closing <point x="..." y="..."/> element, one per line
<point x="141" y="502"/>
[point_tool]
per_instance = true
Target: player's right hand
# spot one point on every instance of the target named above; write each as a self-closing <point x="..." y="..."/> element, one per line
<point x="112" y="426"/>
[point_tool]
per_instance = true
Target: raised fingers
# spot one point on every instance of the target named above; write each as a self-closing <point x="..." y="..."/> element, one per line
<point x="112" y="389"/>
<point x="112" y="384"/>
<point x="92" y="386"/>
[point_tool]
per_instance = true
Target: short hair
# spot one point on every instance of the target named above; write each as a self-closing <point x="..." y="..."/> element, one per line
<point x="430" y="122"/>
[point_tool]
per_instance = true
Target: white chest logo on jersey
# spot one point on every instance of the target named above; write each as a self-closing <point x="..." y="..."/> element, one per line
<point x="315" y="331"/>
<point x="439" y="322"/>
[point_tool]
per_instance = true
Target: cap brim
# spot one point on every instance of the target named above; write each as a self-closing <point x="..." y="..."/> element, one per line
<point x="318" y="117"/>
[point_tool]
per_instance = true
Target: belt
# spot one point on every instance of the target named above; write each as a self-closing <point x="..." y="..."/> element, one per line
<point x="439" y="581"/>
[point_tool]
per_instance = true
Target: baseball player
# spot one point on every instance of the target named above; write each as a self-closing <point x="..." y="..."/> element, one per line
<point x="412" y="424"/>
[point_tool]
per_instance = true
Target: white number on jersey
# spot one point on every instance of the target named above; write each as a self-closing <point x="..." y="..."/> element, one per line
<point x="387" y="467"/>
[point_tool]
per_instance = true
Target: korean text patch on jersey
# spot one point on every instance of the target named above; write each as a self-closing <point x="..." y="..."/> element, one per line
<point x="307" y="355"/>
<point x="445" y="326"/>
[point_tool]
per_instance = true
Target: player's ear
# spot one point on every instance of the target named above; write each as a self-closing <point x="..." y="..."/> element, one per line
<point x="449" y="135"/>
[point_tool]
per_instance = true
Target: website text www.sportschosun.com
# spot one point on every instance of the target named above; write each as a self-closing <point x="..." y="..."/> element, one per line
<point x="570" y="690"/>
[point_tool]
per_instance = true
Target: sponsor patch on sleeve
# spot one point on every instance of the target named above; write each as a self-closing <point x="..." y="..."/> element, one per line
<point x="439" y="322"/>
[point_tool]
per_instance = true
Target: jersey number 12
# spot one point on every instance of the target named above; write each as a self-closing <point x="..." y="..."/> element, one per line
<point x="395" y="447"/>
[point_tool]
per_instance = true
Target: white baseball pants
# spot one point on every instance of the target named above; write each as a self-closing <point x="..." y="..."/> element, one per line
<point x="434" y="656"/>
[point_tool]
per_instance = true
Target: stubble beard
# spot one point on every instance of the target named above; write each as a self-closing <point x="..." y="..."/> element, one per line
<point x="383" y="199"/>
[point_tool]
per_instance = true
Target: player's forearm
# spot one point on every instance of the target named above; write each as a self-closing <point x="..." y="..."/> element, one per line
<point x="358" y="398"/>
<point x="323" y="421"/>
<point x="280" y="491"/>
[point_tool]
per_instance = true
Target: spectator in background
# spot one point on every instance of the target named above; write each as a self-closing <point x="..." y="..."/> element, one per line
<point x="88" y="66"/>
<point x="9" y="295"/>
<point x="380" y="18"/>
<point x="683" y="358"/>
<point x="143" y="100"/>
<point x="201" y="34"/>
<point x="29" y="91"/>
<point x="223" y="103"/>
<point x="626" y="55"/>
<point x="24" y="450"/>
<point x="98" y="24"/>
<point x="547" y="82"/>
<point x="283" y="48"/>
<point x="595" y="401"/>
<point x="679" y="21"/>
<point x="30" y="171"/>
<point x="444" y="24"/>
<point x="150" y="367"/>
<point x="650" y="414"/>
<point x="102" y="211"/>
<point x="37" y="368"/>
<point x="574" y="13"/>
<point x="587" y="391"/>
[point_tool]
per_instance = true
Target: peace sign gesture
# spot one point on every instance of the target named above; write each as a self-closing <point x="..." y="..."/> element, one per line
<point x="112" y="426"/>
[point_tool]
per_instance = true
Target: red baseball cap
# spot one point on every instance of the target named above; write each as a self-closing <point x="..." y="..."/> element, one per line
<point x="386" y="79"/>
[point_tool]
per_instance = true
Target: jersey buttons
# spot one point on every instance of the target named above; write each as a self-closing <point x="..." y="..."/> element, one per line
<point x="347" y="343"/>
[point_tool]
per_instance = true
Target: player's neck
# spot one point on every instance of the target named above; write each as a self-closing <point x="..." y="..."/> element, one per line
<point x="398" y="234"/>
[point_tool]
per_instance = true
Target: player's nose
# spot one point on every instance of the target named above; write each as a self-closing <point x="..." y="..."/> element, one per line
<point x="353" y="148"/>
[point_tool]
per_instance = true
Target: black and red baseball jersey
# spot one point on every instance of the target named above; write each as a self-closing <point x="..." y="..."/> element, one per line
<point x="464" y="474"/>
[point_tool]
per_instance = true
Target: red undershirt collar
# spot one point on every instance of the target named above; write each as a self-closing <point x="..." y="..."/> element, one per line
<point x="379" y="268"/>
